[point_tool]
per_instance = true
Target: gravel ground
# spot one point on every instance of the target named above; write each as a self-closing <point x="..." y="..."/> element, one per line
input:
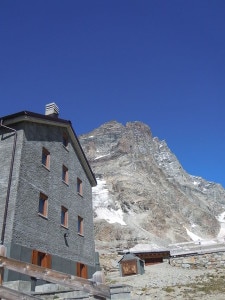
<point x="162" y="281"/>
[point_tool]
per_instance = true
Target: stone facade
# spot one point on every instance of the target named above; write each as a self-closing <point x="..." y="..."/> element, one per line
<point x="26" y="230"/>
<point x="212" y="260"/>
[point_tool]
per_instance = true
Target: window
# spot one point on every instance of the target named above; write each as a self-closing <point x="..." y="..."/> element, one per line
<point x="65" y="140"/>
<point x="79" y="186"/>
<point x="80" y="225"/>
<point x="64" y="216"/>
<point x="65" y="176"/>
<point x="41" y="259"/>
<point x="43" y="205"/>
<point x="45" y="158"/>
<point x="82" y="270"/>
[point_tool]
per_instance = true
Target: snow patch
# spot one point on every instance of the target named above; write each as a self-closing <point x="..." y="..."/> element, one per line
<point x="102" y="156"/>
<point x="221" y="234"/>
<point x="196" y="183"/>
<point x="101" y="200"/>
<point x="110" y="215"/>
<point x="198" y="240"/>
<point x="100" y="194"/>
<point x="193" y="236"/>
<point x="221" y="217"/>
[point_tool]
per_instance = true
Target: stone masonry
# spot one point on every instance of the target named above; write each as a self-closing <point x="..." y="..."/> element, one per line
<point x="26" y="230"/>
<point x="201" y="261"/>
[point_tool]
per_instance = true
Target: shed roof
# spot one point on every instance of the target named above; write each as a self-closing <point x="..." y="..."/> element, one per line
<point x="129" y="256"/>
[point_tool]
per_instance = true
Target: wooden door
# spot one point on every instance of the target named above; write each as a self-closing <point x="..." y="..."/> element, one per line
<point x="82" y="270"/>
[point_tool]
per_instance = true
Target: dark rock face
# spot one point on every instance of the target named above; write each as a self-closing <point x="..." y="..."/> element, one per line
<point x="143" y="194"/>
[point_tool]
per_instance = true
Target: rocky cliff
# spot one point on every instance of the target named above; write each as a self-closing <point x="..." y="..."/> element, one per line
<point x="143" y="194"/>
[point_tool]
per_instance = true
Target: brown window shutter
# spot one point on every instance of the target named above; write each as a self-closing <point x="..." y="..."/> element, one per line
<point x="34" y="258"/>
<point x="78" y="269"/>
<point x="82" y="270"/>
<point x="41" y="259"/>
<point x="47" y="261"/>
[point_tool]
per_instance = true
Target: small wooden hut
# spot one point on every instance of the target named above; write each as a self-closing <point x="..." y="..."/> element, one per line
<point x="130" y="264"/>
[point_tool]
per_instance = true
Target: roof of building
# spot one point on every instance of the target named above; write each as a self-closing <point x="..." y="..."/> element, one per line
<point x="147" y="248"/>
<point x="129" y="256"/>
<point x="52" y="120"/>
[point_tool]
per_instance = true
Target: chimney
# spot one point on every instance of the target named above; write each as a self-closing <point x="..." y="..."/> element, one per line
<point x="52" y="110"/>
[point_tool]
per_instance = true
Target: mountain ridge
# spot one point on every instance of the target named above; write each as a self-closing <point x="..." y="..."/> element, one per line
<point x="143" y="194"/>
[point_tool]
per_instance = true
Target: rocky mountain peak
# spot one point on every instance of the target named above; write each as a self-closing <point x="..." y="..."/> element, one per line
<point x="143" y="193"/>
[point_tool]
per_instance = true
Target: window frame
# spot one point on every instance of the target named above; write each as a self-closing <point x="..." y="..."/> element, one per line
<point x="80" y="226"/>
<point x="65" y="174"/>
<point x="65" y="216"/>
<point x="41" y="259"/>
<point x="44" y="211"/>
<point x="65" y="140"/>
<point x="79" y="186"/>
<point x="45" y="159"/>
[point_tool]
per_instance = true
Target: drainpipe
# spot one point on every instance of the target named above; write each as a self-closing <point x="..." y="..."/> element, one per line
<point x="9" y="182"/>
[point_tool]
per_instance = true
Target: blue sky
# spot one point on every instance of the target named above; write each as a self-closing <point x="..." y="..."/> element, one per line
<point x="159" y="62"/>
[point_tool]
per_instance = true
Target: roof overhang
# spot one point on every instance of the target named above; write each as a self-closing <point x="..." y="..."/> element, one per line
<point x="26" y="116"/>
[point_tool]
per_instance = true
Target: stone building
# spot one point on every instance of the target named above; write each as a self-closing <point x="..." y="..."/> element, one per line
<point x="46" y="215"/>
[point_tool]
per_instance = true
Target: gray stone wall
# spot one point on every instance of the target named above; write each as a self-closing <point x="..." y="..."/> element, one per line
<point x="6" y="149"/>
<point x="60" y="264"/>
<point x="200" y="261"/>
<point x="30" y="178"/>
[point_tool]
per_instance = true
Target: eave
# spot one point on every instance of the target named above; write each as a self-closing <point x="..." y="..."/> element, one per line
<point x="26" y="116"/>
